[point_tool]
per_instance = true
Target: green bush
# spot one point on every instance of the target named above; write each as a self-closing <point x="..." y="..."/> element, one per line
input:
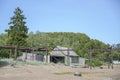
<point x="4" y="53"/>
<point x="96" y="62"/>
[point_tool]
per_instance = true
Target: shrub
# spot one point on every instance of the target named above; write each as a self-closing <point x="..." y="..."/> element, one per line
<point x="96" y="62"/>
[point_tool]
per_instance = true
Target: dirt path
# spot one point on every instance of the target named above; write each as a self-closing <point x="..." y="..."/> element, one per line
<point x="116" y="74"/>
<point x="57" y="72"/>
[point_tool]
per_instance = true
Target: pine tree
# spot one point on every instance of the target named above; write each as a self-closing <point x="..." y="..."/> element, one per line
<point x="17" y="31"/>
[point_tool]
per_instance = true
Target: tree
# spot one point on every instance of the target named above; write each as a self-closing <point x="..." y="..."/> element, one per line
<point x="116" y="51"/>
<point x="17" y="31"/>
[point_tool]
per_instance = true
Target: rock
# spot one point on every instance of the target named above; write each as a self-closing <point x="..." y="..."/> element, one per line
<point x="101" y="67"/>
<point x="77" y="74"/>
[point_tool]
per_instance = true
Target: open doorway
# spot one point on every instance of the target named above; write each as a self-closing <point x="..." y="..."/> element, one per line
<point x="57" y="59"/>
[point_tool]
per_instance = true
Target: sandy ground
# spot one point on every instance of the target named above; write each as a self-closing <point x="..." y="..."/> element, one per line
<point x="51" y="72"/>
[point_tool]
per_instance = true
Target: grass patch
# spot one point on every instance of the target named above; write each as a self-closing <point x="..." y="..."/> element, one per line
<point x="64" y="73"/>
<point x="92" y="72"/>
<point x="69" y="73"/>
<point x="4" y="63"/>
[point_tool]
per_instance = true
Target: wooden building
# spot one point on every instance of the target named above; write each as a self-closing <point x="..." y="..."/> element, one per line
<point x="67" y="56"/>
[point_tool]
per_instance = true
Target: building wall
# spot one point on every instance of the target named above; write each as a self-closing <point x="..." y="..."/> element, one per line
<point x="81" y="62"/>
<point x="31" y="56"/>
<point x="71" y="60"/>
<point x="39" y="57"/>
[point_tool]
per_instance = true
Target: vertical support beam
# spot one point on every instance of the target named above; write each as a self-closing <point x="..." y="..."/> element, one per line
<point x="25" y="56"/>
<point x="90" y="58"/>
<point x="79" y="61"/>
<point x="65" y="60"/>
<point x="15" y="56"/>
<point x="68" y="58"/>
<point x="44" y="59"/>
<point x="15" y="52"/>
<point x="10" y="53"/>
<point x="110" y="58"/>
<point x="32" y="54"/>
<point x="48" y="58"/>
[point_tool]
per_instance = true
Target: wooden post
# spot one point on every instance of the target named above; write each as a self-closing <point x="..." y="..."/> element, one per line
<point x="68" y="58"/>
<point x="25" y="56"/>
<point x="15" y="53"/>
<point x="15" y="57"/>
<point x="44" y="59"/>
<point x="32" y="54"/>
<point x="90" y="58"/>
<point x="110" y="58"/>
<point x="10" y="53"/>
<point x="48" y="57"/>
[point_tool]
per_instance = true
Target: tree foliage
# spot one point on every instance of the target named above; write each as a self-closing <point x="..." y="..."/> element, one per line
<point x="17" y="31"/>
<point x="3" y="40"/>
<point x="116" y="52"/>
<point x="79" y="42"/>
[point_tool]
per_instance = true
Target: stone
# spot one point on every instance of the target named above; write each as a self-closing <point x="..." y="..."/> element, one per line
<point x="77" y="74"/>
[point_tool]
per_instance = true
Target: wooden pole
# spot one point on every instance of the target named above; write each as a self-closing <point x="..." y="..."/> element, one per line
<point x="90" y="58"/>
<point x="10" y="53"/>
<point x="68" y="58"/>
<point x="46" y="56"/>
<point x="32" y="54"/>
<point x="15" y="52"/>
<point x="110" y="58"/>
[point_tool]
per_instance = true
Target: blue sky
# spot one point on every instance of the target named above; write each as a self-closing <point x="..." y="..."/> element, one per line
<point x="99" y="19"/>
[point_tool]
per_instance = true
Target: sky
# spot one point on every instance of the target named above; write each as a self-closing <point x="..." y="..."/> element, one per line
<point x="99" y="19"/>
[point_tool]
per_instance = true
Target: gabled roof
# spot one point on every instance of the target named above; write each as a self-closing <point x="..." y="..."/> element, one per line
<point x="63" y="51"/>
